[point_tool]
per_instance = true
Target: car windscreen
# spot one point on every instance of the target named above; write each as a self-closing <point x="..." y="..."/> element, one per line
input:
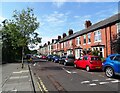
<point x="71" y="57"/>
<point x="95" y="58"/>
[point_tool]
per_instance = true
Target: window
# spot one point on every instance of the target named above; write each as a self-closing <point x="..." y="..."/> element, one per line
<point x="61" y="45"/>
<point x="64" y="44"/>
<point x="89" y="40"/>
<point x="118" y="27"/>
<point x="117" y="58"/>
<point x="97" y="36"/>
<point x="84" y="39"/>
<point x="78" y="41"/>
<point x="85" y="58"/>
<point x="70" y="42"/>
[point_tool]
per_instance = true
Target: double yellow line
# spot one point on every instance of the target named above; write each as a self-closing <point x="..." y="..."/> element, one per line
<point x="41" y="86"/>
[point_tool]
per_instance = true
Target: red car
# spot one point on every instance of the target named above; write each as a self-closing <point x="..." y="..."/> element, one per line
<point x="43" y="57"/>
<point x="89" y="62"/>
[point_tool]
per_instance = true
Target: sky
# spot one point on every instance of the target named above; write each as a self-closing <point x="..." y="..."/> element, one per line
<point x="57" y="18"/>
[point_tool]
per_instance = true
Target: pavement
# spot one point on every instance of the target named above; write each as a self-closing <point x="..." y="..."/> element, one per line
<point x="15" y="79"/>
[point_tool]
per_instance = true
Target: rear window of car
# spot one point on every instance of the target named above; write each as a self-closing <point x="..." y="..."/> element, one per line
<point x="71" y="57"/>
<point x="117" y="58"/>
<point x="112" y="57"/>
<point x="95" y="58"/>
<point x="63" y="57"/>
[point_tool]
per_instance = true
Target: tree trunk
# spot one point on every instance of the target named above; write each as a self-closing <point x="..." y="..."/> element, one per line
<point x="22" y="57"/>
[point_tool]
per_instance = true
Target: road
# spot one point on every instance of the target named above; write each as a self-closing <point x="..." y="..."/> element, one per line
<point x="56" y="77"/>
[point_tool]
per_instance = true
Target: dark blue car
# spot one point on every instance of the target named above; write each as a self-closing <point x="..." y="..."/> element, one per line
<point x="111" y="65"/>
<point x="55" y="58"/>
<point x="49" y="57"/>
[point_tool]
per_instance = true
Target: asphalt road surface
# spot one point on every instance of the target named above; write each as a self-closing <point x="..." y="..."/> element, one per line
<point x="52" y="77"/>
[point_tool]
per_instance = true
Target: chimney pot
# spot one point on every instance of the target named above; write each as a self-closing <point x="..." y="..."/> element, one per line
<point x="87" y="23"/>
<point x="48" y="42"/>
<point x="64" y="35"/>
<point x="70" y="32"/>
<point x="59" y="37"/>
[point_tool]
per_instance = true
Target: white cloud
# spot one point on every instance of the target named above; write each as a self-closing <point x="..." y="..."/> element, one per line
<point x="52" y="25"/>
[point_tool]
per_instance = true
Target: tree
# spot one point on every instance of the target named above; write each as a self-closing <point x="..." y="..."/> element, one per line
<point x="18" y="31"/>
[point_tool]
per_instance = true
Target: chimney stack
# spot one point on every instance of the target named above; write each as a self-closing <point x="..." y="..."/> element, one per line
<point x="87" y="23"/>
<point x="70" y="32"/>
<point x="64" y="35"/>
<point x="48" y="42"/>
<point x="59" y="37"/>
<point x="52" y="40"/>
<point x="45" y="45"/>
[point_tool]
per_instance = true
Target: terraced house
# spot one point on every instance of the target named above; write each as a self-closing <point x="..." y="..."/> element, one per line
<point x="97" y="36"/>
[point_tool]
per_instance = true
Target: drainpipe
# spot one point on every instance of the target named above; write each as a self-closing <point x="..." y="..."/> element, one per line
<point x="110" y="40"/>
<point x="106" y="42"/>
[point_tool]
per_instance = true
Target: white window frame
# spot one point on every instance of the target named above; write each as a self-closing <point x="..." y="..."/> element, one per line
<point x="89" y="37"/>
<point x="84" y="37"/>
<point x="70" y="43"/>
<point x="99" y="49"/>
<point x="61" y="45"/>
<point x="77" y="41"/>
<point x="97" y="36"/>
<point x="118" y="27"/>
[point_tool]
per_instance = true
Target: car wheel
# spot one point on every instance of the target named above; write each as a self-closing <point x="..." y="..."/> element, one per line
<point x="109" y="72"/>
<point x="59" y="62"/>
<point x="65" y="64"/>
<point x="75" y="66"/>
<point x="87" y="68"/>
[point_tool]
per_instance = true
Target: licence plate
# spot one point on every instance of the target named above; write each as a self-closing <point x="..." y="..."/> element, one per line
<point x="97" y="67"/>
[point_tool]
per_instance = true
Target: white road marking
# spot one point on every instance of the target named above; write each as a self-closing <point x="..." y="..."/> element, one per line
<point x="24" y="70"/>
<point x="115" y="81"/>
<point x="101" y="83"/>
<point x="95" y="80"/>
<point x="17" y="72"/>
<point x="19" y="77"/>
<point x="24" y="77"/>
<point x="93" y="84"/>
<point x="84" y="82"/>
<point x="66" y="71"/>
<point x="21" y="71"/>
<point x="69" y="71"/>
<point x="14" y="77"/>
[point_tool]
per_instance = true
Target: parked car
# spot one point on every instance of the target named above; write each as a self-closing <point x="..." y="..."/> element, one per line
<point x="43" y="57"/>
<point x="62" y="60"/>
<point x="88" y="62"/>
<point x="67" y="60"/>
<point x="49" y="57"/>
<point x="55" y="57"/>
<point x="111" y="65"/>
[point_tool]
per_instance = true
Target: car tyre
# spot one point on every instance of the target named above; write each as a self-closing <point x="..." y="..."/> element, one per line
<point x="75" y="66"/>
<point x="65" y="64"/>
<point x="87" y="68"/>
<point x="109" y="72"/>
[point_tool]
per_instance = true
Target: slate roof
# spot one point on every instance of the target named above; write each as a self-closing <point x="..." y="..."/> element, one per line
<point x="109" y="21"/>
